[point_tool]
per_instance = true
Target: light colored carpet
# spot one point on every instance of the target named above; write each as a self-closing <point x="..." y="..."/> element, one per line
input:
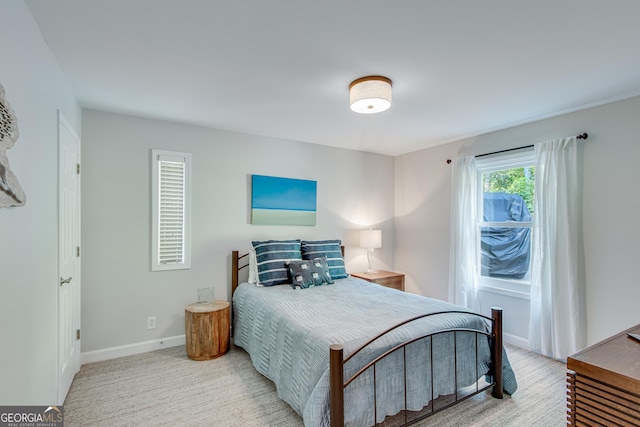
<point x="166" y="388"/>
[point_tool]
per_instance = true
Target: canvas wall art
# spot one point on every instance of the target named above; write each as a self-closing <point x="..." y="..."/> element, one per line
<point x="282" y="201"/>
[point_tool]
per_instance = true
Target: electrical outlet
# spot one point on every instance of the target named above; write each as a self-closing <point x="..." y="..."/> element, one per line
<point x="151" y="322"/>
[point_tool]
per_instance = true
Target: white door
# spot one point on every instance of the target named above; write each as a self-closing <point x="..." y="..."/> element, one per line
<point x="69" y="256"/>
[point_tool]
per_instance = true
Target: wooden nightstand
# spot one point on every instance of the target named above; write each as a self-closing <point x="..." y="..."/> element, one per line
<point x="207" y="329"/>
<point x="384" y="278"/>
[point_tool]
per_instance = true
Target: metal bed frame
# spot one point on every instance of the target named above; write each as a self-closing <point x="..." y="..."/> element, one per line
<point x="337" y="361"/>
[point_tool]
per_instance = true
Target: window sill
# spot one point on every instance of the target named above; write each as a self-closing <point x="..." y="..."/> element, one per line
<point x="505" y="292"/>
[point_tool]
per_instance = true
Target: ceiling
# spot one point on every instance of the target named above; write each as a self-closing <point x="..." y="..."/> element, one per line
<point x="282" y="68"/>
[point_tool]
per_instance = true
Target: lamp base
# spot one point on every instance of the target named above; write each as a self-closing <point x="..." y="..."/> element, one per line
<point x="370" y="270"/>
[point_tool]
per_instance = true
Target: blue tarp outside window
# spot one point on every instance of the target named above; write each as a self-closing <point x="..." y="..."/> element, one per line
<point x="505" y="250"/>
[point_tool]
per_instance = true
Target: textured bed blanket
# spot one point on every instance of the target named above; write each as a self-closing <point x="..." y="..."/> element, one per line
<point x="287" y="333"/>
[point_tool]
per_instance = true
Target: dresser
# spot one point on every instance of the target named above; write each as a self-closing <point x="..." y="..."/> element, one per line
<point x="384" y="278"/>
<point x="604" y="382"/>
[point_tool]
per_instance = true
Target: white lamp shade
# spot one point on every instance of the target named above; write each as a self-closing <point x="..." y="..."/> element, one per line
<point x="369" y="95"/>
<point x="371" y="239"/>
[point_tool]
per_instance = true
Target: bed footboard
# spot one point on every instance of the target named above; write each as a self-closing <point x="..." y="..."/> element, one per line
<point x="337" y="361"/>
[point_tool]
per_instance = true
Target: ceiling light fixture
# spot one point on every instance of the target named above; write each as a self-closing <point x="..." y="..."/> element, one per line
<point x="371" y="94"/>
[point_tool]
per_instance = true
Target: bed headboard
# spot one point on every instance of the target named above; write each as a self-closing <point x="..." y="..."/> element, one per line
<point x="239" y="262"/>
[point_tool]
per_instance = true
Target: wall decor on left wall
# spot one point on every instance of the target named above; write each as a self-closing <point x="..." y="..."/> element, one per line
<point x="11" y="193"/>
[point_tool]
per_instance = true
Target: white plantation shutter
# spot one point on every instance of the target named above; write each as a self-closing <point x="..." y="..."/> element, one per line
<point x="171" y="172"/>
<point x="171" y="239"/>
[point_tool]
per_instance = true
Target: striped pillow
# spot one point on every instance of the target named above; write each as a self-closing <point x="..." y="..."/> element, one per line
<point x="272" y="257"/>
<point x="330" y="249"/>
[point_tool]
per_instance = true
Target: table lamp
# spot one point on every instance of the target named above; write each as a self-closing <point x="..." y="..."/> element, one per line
<point x="370" y="239"/>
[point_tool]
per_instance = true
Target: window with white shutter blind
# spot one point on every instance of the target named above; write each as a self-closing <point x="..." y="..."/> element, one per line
<point x="171" y="210"/>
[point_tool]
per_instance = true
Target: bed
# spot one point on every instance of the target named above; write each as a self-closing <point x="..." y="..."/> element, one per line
<point x="356" y="353"/>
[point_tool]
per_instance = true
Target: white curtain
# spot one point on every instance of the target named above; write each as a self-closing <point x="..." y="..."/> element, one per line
<point x="463" y="259"/>
<point x="557" y="322"/>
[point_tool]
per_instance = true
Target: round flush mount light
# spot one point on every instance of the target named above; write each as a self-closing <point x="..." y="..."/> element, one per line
<point x="371" y="94"/>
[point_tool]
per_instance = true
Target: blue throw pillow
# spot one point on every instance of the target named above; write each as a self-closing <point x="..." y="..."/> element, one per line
<point x="272" y="257"/>
<point x="329" y="248"/>
<point x="309" y="273"/>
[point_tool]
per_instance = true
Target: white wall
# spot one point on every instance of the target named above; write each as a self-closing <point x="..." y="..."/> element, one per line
<point x="355" y="190"/>
<point x="610" y="206"/>
<point x="36" y="89"/>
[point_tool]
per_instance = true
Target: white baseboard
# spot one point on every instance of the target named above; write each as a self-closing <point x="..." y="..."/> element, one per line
<point x="515" y="340"/>
<point x="131" y="349"/>
<point x="146" y="346"/>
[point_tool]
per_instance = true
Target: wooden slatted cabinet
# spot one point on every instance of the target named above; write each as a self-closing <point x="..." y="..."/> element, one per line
<point x="604" y="383"/>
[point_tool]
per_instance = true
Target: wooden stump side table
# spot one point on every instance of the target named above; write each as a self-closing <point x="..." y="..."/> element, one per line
<point x="207" y="329"/>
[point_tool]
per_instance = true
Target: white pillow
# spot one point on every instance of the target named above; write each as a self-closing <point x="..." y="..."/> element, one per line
<point x="253" y="266"/>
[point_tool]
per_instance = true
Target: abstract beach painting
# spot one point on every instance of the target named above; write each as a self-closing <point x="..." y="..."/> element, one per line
<point x="282" y="201"/>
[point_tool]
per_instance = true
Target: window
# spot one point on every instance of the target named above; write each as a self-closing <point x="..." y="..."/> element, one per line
<point x="505" y="215"/>
<point x="171" y="184"/>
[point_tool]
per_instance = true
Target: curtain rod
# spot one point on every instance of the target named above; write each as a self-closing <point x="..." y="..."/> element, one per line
<point x="581" y="136"/>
